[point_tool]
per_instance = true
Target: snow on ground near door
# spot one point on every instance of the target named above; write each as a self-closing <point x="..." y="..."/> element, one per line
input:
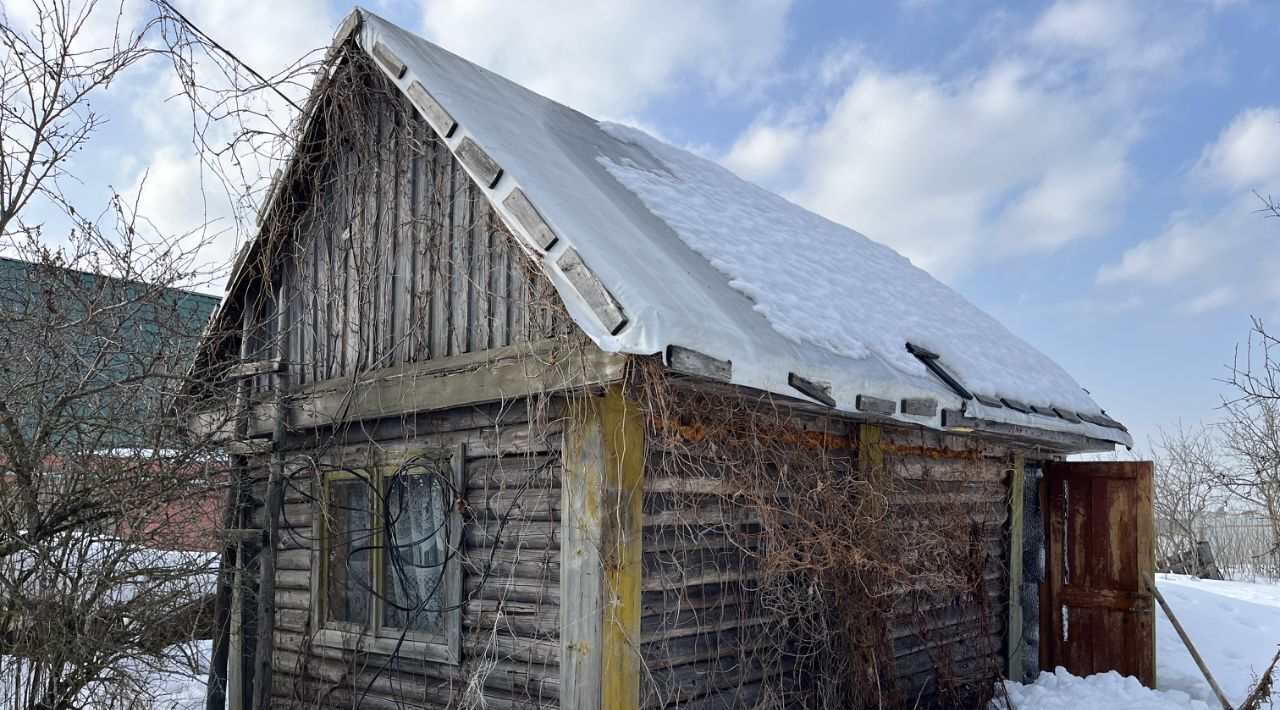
<point x="1234" y="625"/>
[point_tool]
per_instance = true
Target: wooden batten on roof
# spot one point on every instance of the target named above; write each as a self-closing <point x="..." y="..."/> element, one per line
<point x="691" y="362"/>
<point x="920" y="406"/>
<point x="435" y="114"/>
<point x="527" y="216"/>
<point x="820" y="391"/>
<point x="486" y="171"/>
<point x="589" y="286"/>
<point x="389" y="60"/>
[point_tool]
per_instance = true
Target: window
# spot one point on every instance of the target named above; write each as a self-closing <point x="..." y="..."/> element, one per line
<point x="389" y="541"/>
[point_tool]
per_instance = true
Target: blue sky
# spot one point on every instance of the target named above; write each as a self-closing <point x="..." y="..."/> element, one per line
<point x="1082" y="169"/>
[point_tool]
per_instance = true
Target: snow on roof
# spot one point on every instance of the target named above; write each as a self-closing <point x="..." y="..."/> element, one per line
<point x="696" y="257"/>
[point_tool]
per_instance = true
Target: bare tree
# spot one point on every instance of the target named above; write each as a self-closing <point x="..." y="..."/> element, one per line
<point x="98" y="483"/>
<point x="1188" y="462"/>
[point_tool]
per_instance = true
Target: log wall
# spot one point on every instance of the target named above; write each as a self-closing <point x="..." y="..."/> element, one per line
<point x="511" y="577"/>
<point x="710" y="640"/>
<point x="947" y="647"/>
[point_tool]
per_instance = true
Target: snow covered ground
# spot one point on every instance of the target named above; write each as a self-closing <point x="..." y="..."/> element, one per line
<point x="1235" y="626"/>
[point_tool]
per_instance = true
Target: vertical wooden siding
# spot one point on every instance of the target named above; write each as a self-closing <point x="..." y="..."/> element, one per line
<point x="398" y="257"/>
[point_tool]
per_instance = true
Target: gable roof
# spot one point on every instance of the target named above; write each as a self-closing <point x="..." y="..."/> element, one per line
<point x="652" y="247"/>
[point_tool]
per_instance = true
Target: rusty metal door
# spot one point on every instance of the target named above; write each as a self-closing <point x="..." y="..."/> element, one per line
<point x="1096" y="613"/>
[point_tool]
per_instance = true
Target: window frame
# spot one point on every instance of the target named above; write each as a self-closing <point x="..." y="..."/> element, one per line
<point x="443" y="644"/>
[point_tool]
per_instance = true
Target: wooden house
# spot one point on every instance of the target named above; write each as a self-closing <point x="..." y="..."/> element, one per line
<point x="529" y="410"/>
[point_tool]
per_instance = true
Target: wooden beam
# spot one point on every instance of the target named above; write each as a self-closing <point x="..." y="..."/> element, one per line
<point x="259" y="367"/>
<point x="956" y="422"/>
<point x="436" y="115"/>
<point x="1013" y="644"/>
<point x="486" y="170"/>
<point x="870" y="448"/>
<point x="593" y="291"/>
<point x="1016" y="405"/>
<point x="621" y="535"/>
<point x="920" y="406"/>
<point x="600" y="574"/>
<point x="820" y="391"/>
<point x="875" y="405"/>
<point x="482" y="377"/>
<point x="694" y="363"/>
<point x="528" y="217"/>
<point x="349" y="25"/>
<point x="249" y="447"/>
<point x="272" y="188"/>
<point x="389" y="60"/>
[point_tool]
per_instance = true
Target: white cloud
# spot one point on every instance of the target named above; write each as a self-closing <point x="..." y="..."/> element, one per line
<point x="180" y="201"/>
<point x="182" y="197"/>
<point x="268" y="36"/>
<point x="1228" y="254"/>
<point x="1127" y="36"/>
<point x="611" y="58"/>
<point x="1025" y="153"/>
<point x="765" y="151"/>
<point x="1207" y="262"/>
<point x="1211" y="300"/>
<point x="950" y="171"/>
<point x="1169" y="258"/>
<point x="1247" y="154"/>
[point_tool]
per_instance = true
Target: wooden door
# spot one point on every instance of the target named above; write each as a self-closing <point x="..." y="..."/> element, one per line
<point x="1096" y="613"/>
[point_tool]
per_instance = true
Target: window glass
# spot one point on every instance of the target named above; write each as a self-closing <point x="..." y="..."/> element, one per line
<point x="349" y="551"/>
<point x="413" y="569"/>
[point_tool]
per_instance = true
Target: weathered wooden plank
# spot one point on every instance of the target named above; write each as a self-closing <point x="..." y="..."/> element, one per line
<point x="389" y="60"/>
<point x="816" y="389"/>
<point x="537" y="535"/>
<point x="1016" y="405"/>
<point x="593" y="291"/>
<point x="528" y="218"/>
<point x="481" y="296"/>
<point x="920" y="406"/>
<point x="875" y="405"/>
<point x="486" y="170"/>
<point x="500" y="374"/>
<point x="459" y="254"/>
<point x="519" y="504"/>
<point x="249" y="447"/>
<point x="1013" y="641"/>
<point x="1046" y="438"/>
<point x="601" y="576"/>
<point x="696" y="364"/>
<point x="582" y="566"/>
<point x="258" y="367"/>
<point x="436" y="115"/>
